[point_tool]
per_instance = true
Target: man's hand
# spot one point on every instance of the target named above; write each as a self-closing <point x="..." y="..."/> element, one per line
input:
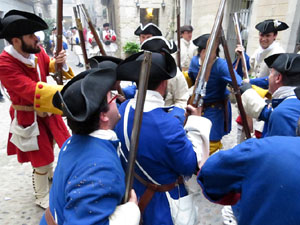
<point x="61" y="57"/>
<point x="133" y="197"/>
<point x="239" y="49"/>
<point x="191" y="110"/>
<point x="245" y="87"/>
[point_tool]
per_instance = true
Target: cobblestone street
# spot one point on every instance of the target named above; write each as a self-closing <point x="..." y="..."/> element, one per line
<point x="16" y="192"/>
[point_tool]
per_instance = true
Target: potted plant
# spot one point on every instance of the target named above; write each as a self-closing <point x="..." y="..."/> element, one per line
<point x="131" y="48"/>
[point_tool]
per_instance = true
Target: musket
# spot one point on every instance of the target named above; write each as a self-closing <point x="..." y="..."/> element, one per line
<point x="58" y="66"/>
<point x="92" y="28"/>
<point x="95" y="34"/>
<point x="81" y="37"/>
<point x="203" y="75"/>
<point x="239" y="41"/>
<point x="178" y="34"/>
<point x="137" y="121"/>
<point x="235" y="86"/>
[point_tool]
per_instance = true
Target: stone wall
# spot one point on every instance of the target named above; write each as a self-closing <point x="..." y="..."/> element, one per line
<point x="203" y="16"/>
<point x="128" y="19"/>
<point x="7" y="5"/>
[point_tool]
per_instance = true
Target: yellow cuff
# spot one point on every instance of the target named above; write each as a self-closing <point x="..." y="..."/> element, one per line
<point x="214" y="146"/>
<point x="43" y="97"/>
<point x="66" y="74"/>
<point x="262" y="92"/>
<point x="187" y="78"/>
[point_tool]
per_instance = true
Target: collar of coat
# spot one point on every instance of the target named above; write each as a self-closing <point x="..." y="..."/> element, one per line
<point x="31" y="61"/>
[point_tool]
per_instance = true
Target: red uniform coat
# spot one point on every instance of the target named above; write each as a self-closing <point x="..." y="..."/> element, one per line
<point x="20" y="81"/>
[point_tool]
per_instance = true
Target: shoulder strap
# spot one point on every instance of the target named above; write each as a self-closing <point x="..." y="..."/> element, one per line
<point x="49" y="218"/>
<point x="127" y="142"/>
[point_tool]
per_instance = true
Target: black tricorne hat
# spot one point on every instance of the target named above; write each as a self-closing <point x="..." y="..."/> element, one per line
<point x="297" y="92"/>
<point x="201" y="41"/>
<point x="17" y="23"/>
<point x="158" y="44"/>
<point x="73" y="28"/>
<point x="82" y="96"/>
<point x="268" y="26"/>
<point x="163" y="67"/>
<point x="106" y="25"/>
<point x="285" y="63"/>
<point x="149" y="28"/>
<point x="104" y="62"/>
<point x="186" y="28"/>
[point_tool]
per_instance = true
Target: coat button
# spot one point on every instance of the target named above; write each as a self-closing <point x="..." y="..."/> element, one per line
<point x="38" y="96"/>
<point x="40" y="86"/>
<point x="37" y="106"/>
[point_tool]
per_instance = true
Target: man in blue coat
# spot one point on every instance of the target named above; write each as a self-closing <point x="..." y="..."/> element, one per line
<point x="263" y="174"/>
<point x="217" y="106"/>
<point x="89" y="181"/>
<point x="282" y="115"/>
<point x="166" y="151"/>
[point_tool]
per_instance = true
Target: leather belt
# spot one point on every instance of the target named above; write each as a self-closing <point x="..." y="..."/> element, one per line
<point x="28" y="108"/>
<point x="152" y="188"/>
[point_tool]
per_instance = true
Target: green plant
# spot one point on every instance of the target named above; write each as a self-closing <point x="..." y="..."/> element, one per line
<point x="131" y="48"/>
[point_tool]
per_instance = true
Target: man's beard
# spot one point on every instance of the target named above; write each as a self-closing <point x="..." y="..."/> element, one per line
<point x="28" y="49"/>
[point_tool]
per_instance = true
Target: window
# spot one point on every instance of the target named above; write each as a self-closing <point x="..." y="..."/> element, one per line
<point x="149" y="15"/>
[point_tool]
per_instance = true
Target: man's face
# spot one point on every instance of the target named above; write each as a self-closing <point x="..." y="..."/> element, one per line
<point x="113" y="112"/>
<point x="106" y="28"/>
<point x="265" y="40"/>
<point x="187" y="35"/>
<point x="30" y="44"/>
<point x="274" y="81"/>
<point x="144" y="37"/>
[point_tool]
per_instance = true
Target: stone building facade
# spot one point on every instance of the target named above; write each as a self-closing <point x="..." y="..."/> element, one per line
<point x="257" y="11"/>
<point x="126" y="16"/>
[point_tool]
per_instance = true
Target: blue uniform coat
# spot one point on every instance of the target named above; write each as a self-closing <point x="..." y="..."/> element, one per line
<point x="263" y="173"/>
<point x="164" y="152"/>
<point x="88" y="182"/>
<point x="216" y="91"/>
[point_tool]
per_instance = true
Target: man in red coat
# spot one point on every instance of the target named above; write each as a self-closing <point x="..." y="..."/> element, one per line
<point x="24" y="66"/>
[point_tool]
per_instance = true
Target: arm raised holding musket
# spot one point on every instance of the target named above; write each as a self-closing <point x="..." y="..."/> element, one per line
<point x="212" y="75"/>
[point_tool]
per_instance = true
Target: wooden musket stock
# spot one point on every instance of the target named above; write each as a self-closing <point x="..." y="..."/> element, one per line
<point x="137" y="121"/>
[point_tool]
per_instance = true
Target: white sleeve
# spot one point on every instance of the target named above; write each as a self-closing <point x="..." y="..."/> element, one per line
<point x="126" y="214"/>
<point x="181" y="92"/>
<point x="198" y="130"/>
<point x="253" y="103"/>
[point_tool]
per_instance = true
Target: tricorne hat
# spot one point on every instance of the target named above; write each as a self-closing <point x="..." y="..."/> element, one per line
<point x="268" y="26"/>
<point x="82" y="96"/>
<point x="149" y="28"/>
<point x="159" y="43"/>
<point x="201" y="41"/>
<point x="17" y="23"/>
<point x="104" y="62"/>
<point x="297" y="92"/>
<point x="106" y="25"/>
<point x="163" y="67"/>
<point x="285" y="63"/>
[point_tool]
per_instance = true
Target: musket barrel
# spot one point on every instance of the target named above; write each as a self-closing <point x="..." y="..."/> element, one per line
<point x="212" y="45"/>
<point x="92" y="28"/>
<point x="59" y="17"/>
<point x="239" y="41"/>
<point x="235" y="87"/>
<point x="137" y="122"/>
<point x="81" y="37"/>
